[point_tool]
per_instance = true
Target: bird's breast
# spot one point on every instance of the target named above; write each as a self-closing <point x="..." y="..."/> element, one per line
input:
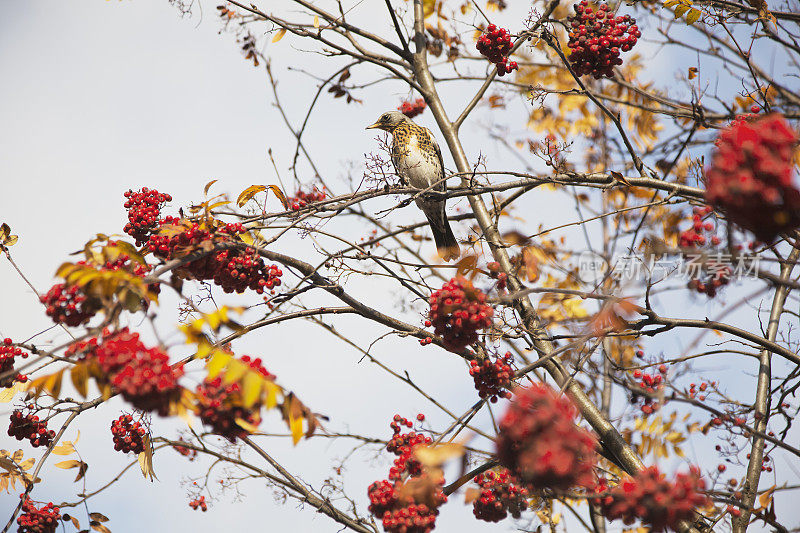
<point x="413" y="162"/>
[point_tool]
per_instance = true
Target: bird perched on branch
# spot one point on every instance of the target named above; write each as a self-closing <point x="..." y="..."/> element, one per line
<point x="418" y="160"/>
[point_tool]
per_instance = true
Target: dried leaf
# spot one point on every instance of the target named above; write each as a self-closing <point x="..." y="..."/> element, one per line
<point x="146" y="460"/>
<point x="208" y="186"/>
<point x="82" y="471"/>
<point x="97" y="526"/>
<point x="248" y="194"/>
<point x="70" y="463"/>
<point x="98" y="517"/>
<point x="436" y="456"/>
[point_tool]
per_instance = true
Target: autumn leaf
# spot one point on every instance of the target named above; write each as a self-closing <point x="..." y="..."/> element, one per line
<point x="279" y="35"/>
<point x="248" y="194"/>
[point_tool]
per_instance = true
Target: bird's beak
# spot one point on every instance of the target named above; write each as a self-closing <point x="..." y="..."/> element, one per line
<point x="373" y="126"/>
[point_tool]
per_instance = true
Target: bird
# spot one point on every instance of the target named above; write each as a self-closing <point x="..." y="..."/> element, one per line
<point x="417" y="159"/>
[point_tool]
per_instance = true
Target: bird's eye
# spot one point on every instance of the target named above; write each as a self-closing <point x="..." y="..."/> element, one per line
<point x="384" y="118"/>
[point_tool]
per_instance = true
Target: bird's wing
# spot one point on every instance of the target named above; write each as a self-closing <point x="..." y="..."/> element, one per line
<point x="441" y="186"/>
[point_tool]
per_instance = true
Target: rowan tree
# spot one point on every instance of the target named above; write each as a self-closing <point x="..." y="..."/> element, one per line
<point x="590" y="339"/>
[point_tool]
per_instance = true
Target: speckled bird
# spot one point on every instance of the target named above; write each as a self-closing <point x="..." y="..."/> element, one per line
<point x="418" y="161"/>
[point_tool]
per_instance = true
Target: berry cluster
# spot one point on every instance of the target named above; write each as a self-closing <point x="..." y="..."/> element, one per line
<point x="221" y="404"/>
<point x="142" y="375"/>
<point x="492" y="378"/>
<point x="750" y="176"/>
<point x="693" y="390"/>
<point x="68" y="305"/>
<point x="500" y="495"/>
<point x="37" y="520"/>
<point x="199" y="503"/>
<point x="403" y="445"/>
<point x="71" y="306"/>
<point x="458" y="311"/>
<point x="30" y="427"/>
<point x="128" y="435"/>
<point x="186" y="452"/>
<point x="234" y="270"/>
<point x="144" y="209"/>
<point x="8" y="353"/>
<point x="649" y="385"/>
<point x="495" y="44"/>
<point x="148" y="381"/>
<point x="649" y="497"/>
<point x="494" y="273"/>
<point x="400" y="513"/>
<point x="302" y="198"/>
<point x="412" y="109"/>
<point x="402" y="506"/>
<point x="696" y="235"/>
<point x="540" y="443"/>
<point x="596" y="39"/>
<point x="710" y="274"/>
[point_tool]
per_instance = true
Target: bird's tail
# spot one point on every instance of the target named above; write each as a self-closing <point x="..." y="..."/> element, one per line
<point x="446" y="244"/>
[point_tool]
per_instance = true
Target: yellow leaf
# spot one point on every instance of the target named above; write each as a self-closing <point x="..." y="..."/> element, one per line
<point x="218" y="204"/>
<point x="27" y="464"/>
<point x="236" y="370"/>
<point x="208" y="186"/>
<point x="247" y="194"/>
<point x="6" y="395"/>
<point x="251" y="387"/>
<point x="279" y="35"/>
<point x="428" y="7"/>
<point x="80" y="375"/>
<point x="693" y="16"/>
<point x="272" y="395"/>
<point x="53" y="383"/>
<point x="296" y="427"/>
<point x="69" y="463"/>
<point x="217" y="362"/>
<point x="765" y="499"/>
<point x="316" y="21"/>
<point x="64" y="449"/>
<point x="247" y="426"/>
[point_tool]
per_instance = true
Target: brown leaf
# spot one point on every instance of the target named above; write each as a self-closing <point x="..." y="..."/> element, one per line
<point x="208" y="186"/>
<point x="97" y="526"/>
<point x="98" y="517"/>
<point x="530" y="263"/>
<point x="82" y="471"/>
<point x="515" y="238"/>
<point x="619" y="178"/>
